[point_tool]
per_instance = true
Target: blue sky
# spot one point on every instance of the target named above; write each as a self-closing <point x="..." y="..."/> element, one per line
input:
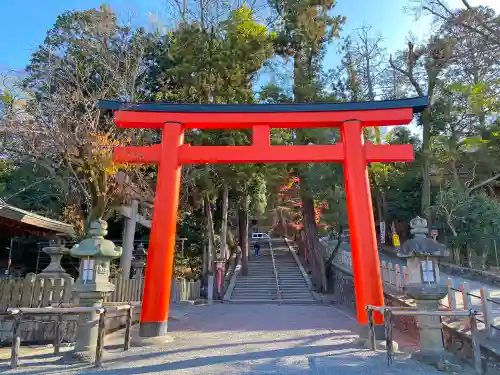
<point x="23" y="23"/>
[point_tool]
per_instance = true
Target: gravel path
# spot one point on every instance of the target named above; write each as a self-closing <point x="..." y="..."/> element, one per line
<point x="245" y="339"/>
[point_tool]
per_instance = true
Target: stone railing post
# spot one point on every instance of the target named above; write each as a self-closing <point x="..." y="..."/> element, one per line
<point x="487" y="311"/>
<point x="384" y="271"/>
<point x="405" y="275"/>
<point x="390" y="271"/>
<point x="399" y="284"/>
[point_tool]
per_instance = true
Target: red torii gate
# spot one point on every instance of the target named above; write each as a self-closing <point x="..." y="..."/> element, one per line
<point x="171" y="153"/>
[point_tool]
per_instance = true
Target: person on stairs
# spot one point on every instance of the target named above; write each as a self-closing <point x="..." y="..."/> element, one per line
<point x="256" y="248"/>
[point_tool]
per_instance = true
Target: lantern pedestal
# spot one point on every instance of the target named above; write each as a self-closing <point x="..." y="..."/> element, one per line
<point x="92" y="286"/>
<point x="54" y="270"/>
<point x="88" y="324"/>
<point x="424" y="287"/>
<point x="427" y="298"/>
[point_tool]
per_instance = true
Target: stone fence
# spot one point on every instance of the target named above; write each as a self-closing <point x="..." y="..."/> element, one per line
<point x="39" y="292"/>
<point x="395" y="277"/>
<point x="456" y="333"/>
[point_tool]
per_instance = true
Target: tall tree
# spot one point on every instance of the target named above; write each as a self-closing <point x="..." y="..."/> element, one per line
<point x="304" y="29"/>
<point x="86" y="56"/>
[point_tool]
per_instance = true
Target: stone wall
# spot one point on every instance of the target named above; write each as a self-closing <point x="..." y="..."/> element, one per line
<point x="470" y="274"/>
<point x="342" y="285"/>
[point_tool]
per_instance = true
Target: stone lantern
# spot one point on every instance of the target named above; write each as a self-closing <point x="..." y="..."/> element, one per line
<point x="92" y="285"/>
<point x="139" y="261"/>
<point x="56" y="250"/>
<point x="424" y="286"/>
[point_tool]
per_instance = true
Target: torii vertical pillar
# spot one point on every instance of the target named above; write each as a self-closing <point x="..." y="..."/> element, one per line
<point x="160" y="260"/>
<point x="367" y="287"/>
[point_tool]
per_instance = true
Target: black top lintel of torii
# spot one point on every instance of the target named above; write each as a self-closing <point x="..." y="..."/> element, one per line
<point x="418" y="104"/>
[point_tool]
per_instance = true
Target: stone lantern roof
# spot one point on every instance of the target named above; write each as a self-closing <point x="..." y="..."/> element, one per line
<point x="420" y="245"/>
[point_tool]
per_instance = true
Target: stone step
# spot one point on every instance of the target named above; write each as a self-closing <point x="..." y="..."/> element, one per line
<point x="254" y="301"/>
<point x="293" y="286"/>
<point x="254" y="287"/>
<point x="255" y="278"/>
<point x="298" y="301"/>
<point x="254" y="275"/>
<point x="268" y="301"/>
<point x="255" y="291"/>
<point x="254" y="295"/>
<point x="285" y="294"/>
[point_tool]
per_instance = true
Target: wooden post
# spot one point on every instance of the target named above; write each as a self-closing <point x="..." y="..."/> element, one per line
<point x="16" y="341"/>
<point x="128" y="329"/>
<point x="465" y="288"/>
<point x="452" y="298"/>
<point x="57" y="341"/>
<point x="487" y="311"/>
<point x="371" y="331"/>
<point x="100" y="339"/>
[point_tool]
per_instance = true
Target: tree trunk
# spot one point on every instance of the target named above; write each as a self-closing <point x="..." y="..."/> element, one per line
<point x="456" y="255"/>
<point x="212" y="251"/>
<point x="243" y="234"/>
<point x="469" y="257"/>
<point x="312" y="242"/>
<point x="484" y="257"/>
<point x="205" y="260"/>
<point x="328" y="264"/>
<point x="426" y="173"/>
<point x="223" y="231"/>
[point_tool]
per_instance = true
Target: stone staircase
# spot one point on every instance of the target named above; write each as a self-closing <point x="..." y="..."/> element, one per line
<point x="293" y="286"/>
<point x="264" y="277"/>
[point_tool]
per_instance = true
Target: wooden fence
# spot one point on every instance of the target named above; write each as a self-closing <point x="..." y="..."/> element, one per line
<point x="35" y="292"/>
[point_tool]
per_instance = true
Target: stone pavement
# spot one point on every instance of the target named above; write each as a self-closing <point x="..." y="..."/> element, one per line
<point x="257" y="339"/>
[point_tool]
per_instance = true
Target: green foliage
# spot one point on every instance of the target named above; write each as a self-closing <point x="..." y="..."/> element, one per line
<point x="29" y="187"/>
<point x="191" y="225"/>
<point x="471" y="219"/>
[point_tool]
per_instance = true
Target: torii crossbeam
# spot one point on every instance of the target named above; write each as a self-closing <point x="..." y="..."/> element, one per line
<point x="171" y="153"/>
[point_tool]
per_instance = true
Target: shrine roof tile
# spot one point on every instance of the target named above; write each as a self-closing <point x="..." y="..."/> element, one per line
<point x="418" y="104"/>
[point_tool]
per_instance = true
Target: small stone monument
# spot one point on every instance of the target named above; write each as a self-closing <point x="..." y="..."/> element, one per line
<point x="92" y="285"/>
<point x="56" y="250"/>
<point x="139" y="261"/>
<point x="424" y="287"/>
